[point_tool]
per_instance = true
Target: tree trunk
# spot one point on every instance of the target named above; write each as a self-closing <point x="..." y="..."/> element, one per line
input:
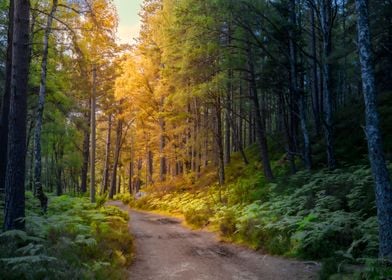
<point x="237" y="141"/>
<point x="86" y="152"/>
<point x="150" y="170"/>
<point x="382" y="180"/>
<point x="93" y="136"/>
<point x="119" y="181"/>
<point x="116" y="159"/>
<point x="206" y="140"/>
<point x="137" y="183"/>
<point x="14" y="211"/>
<point x="219" y="146"/>
<point x="261" y="137"/>
<point x="5" y="106"/>
<point x="228" y="105"/>
<point x="104" y="187"/>
<point x="315" y="91"/>
<point x="295" y="91"/>
<point x="326" y="27"/>
<point x="162" y="159"/>
<point x="131" y="174"/>
<point x="59" y="153"/>
<point x="39" y="191"/>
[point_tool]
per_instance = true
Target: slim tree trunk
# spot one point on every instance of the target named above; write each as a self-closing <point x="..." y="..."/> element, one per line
<point x="315" y="91"/>
<point x="14" y="211"/>
<point x="228" y="101"/>
<point x="261" y="136"/>
<point x="219" y="145"/>
<point x="150" y="170"/>
<point x="162" y="159"/>
<point x="383" y="188"/>
<point x="131" y="174"/>
<point x="105" y="180"/>
<point x="295" y="91"/>
<point x="237" y="141"/>
<point x="116" y="159"/>
<point x="86" y="151"/>
<point x="326" y="27"/>
<point x="5" y="106"/>
<point x="206" y="140"/>
<point x="119" y="181"/>
<point x="137" y="183"/>
<point x="39" y="191"/>
<point x="93" y="136"/>
<point x="59" y="153"/>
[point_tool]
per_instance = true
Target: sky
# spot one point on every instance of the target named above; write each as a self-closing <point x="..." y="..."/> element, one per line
<point x="129" y="22"/>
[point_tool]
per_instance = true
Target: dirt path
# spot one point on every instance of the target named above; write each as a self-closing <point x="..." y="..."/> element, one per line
<point x="166" y="250"/>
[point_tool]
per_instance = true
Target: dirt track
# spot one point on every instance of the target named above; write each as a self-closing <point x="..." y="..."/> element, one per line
<point x="167" y="250"/>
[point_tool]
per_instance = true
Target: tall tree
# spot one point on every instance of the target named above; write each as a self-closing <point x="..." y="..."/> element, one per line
<point x="40" y="111"/>
<point x="105" y="179"/>
<point x="116" y="162"/>
<point x="260" y="128"/>
<point x="383" y="188"/>
<point x="93" y="134"/>
<point x="327" y="21"/>
<point x="15" y="174"/>
<point x="5" y="105"/>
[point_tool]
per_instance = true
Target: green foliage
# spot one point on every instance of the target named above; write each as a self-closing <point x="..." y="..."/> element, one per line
<point x="75" y="240"/>
<point x="321" y="215"/>
<point x="101" y="200"/>
<point x="376" y="269"/>
<point x="126" y="198"/>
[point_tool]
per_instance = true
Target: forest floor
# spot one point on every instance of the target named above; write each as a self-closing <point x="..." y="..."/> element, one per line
<point x="165" y="249"/>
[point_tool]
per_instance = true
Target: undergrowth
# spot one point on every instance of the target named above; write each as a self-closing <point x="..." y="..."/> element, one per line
<point x="325" y="215"/>
<point x="74" y="240"/>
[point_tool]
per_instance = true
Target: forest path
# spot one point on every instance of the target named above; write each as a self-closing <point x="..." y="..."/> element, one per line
<point x="165" y="250"/>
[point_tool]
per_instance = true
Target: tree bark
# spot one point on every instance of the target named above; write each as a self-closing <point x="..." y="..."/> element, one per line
<point x="105" y="181"/>
<point x="326" y="27"/>
<point x="5" y="106"/>
<point x="39" y="191"/>
<point x="228" y="105"/>
<point x="315" y="91"/>
<point x="150" y="170"/>
<point x="116" y="159"/>
<point x="261" y="136"/>
<point x="137" y="184"/>
<point x="93" y="136"/>
<point x="16" y="168"/>
<point x="58" y="149"/>
<point x="162" y="158"/>
<point x="86" y="151"/>
<point x="131" y="174"/>
<point x="295" y="91"/>
<point x="119" y="181"/>
<point x="382" y="180"/>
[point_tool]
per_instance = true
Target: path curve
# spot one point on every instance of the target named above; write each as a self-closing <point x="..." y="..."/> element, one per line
<point x="165" y="250"/>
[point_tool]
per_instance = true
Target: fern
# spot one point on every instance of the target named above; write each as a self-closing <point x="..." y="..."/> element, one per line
<point x="74" y="240"/>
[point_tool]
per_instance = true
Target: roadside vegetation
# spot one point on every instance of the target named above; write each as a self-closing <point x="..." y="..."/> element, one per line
<point x="327" y="216"/>
<point x="74" y="240"/>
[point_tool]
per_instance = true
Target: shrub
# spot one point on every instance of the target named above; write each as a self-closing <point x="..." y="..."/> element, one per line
<point x="125" y="198"/>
